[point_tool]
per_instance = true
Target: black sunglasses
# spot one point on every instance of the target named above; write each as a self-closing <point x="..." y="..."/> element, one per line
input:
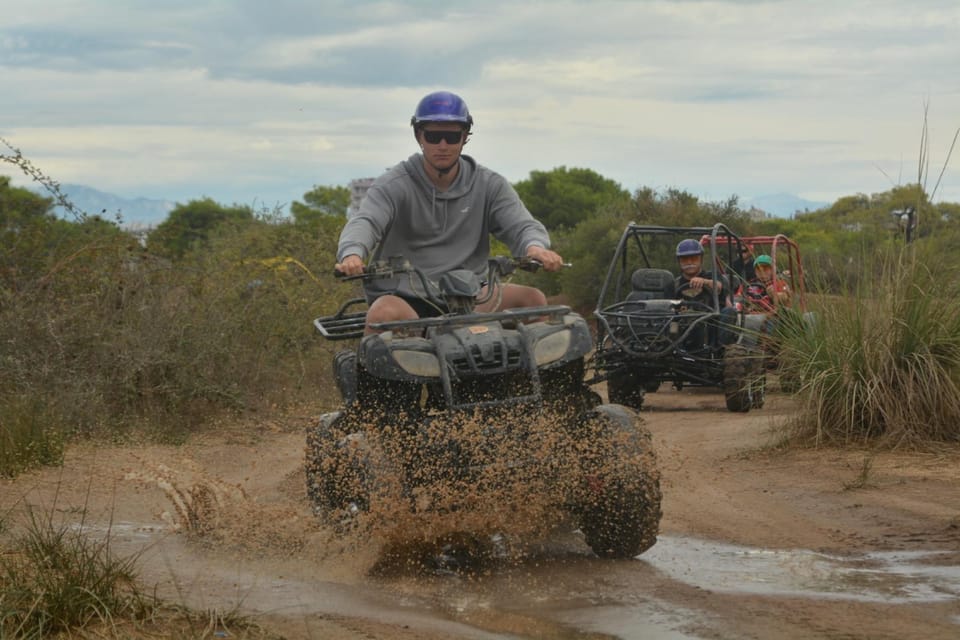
<point x="450" y="137"/>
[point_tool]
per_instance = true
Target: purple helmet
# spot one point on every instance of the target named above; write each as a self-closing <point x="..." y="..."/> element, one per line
<point x="442" y="106"/>
<point x="689" y="248"/>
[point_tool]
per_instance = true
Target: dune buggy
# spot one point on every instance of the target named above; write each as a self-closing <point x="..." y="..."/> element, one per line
<point x="516" y="379"/>
<point x="783" y="318"/>
<point x="650" y="330"/>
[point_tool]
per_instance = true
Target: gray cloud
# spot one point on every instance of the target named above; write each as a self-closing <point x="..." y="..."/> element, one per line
<point x="256" y="98"/>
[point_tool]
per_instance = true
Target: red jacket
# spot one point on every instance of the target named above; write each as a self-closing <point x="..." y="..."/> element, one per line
<point x="756" y="294"/>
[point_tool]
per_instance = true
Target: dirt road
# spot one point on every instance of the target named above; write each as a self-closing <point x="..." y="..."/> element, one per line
<point x="755" y="542"/>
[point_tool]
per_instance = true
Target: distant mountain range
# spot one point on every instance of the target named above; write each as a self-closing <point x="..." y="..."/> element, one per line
<point x="783" y="205"/>
<point x="146" y="212"/>
<point x="133" y="212"/>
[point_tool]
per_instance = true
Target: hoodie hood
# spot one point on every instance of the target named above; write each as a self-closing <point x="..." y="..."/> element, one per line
<point x="466" y="176"/>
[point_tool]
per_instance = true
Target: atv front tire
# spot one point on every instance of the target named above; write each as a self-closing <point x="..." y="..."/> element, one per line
<point x="338" y="467"/>
<point x="619" y="498"/>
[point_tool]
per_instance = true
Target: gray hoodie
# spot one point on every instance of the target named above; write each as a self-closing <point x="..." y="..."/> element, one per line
<point x="404" y="215"/>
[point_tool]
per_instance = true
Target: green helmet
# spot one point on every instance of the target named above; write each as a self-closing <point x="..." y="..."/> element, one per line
<point x="763" y="259"/>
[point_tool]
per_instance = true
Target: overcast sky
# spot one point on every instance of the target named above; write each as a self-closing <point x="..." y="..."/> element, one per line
<point x="256" y="102"/>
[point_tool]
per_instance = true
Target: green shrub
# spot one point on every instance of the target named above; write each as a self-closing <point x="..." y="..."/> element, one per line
<point x="107" y="337"/>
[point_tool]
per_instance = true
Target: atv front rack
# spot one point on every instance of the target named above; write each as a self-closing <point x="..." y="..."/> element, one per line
<point x="508" y="316"/>
<point x="350" y="325"/>
<point x="344" y="324"/>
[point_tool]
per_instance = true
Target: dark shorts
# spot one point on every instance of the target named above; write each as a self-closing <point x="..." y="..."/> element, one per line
<point x="425" y="309"/>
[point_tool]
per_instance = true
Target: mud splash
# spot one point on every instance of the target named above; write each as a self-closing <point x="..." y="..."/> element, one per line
<point x="216" y="512"/>
<point x="396" y="542"/>
<point x="409" y="484"/>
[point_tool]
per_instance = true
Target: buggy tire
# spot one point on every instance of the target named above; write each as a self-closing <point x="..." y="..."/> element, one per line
<point x="619" y="500"/>
<point x="759" y="388"/>
<point x="744" y="380"/>
<point x="624" y="388"/>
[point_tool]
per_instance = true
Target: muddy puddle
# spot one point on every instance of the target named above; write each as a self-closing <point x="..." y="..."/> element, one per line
<point x="896" y="577"/>
<point x="556" y="590"/>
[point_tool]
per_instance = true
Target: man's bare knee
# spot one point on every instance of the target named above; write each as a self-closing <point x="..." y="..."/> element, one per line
<point x="388" y="309"/>
<point x="514" y="296"/>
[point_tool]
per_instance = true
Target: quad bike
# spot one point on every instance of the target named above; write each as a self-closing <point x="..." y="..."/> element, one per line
<point x="517" y="378"/>
<point x="651" y="330"/>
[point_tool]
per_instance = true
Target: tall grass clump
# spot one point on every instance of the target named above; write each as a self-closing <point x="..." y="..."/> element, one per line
<point x="56" y="578"/>
<point x="881" y="363"/>
<point x="27" y="437"/>
<point x="61" y="581"/>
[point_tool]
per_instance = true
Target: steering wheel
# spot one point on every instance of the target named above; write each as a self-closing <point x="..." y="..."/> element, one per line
<point x="688" y="293"/>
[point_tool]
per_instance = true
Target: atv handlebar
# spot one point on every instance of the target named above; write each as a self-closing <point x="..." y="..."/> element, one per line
<point x="379" y="269"/>
<point x="349" y="322"/>
<point x="497" y="267"/>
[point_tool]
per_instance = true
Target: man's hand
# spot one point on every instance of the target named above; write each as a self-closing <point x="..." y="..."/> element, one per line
<point x="550" y="260"/>
<point x="697" y="283"/>
<point x="351" y="265"/>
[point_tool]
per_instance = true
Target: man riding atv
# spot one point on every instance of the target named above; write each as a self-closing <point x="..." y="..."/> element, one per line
<point x="438" y="209"/>
<point x="465" y="401"/>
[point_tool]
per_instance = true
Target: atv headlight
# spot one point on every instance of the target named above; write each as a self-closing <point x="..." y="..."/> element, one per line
<point x="551" y="348"/>
<point x="417" y="363"/>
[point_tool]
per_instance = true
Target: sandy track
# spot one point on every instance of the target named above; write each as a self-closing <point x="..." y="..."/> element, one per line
<point x="755" y="542"/>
